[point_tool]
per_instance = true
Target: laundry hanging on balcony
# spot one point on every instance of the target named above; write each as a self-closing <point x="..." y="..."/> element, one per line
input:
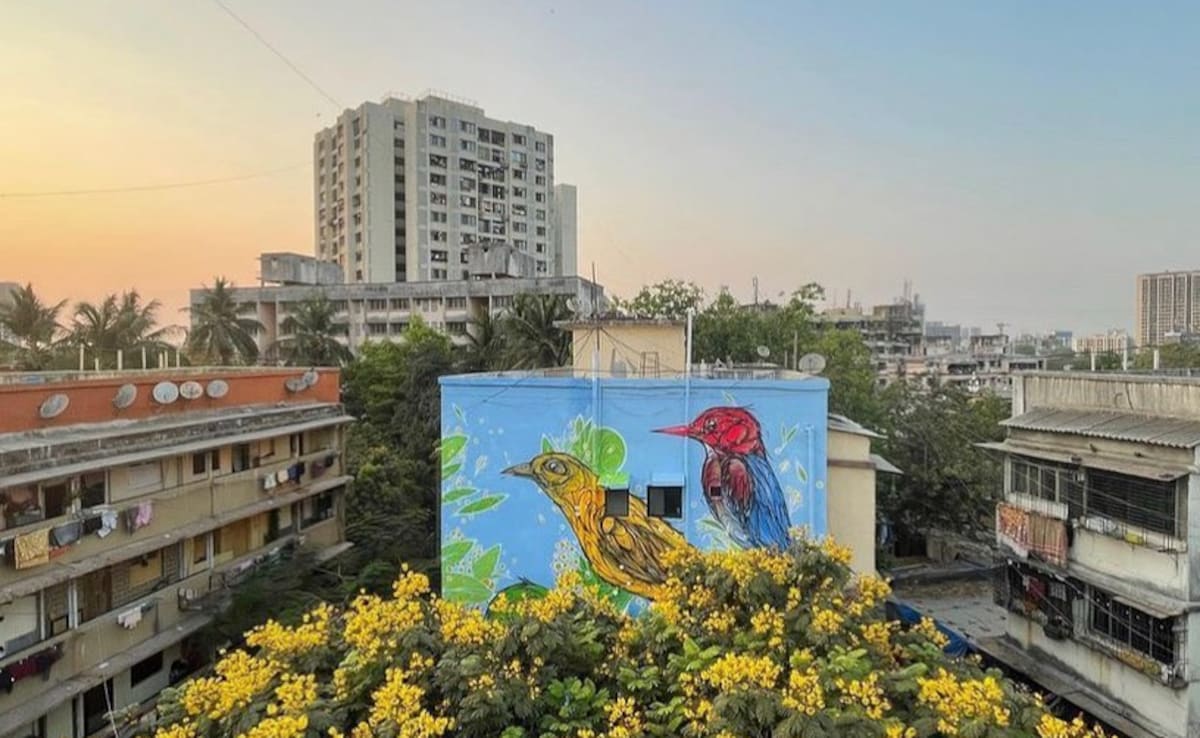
<point x="32" y="549"/>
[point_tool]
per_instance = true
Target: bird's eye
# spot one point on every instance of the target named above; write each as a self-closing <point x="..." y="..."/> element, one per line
<point x="554" y="466"/>
<point x="710" y="425"/>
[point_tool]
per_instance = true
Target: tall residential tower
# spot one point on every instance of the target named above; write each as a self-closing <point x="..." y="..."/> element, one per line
<point x="405" y="188"/>
<point x="1168" y="306"/>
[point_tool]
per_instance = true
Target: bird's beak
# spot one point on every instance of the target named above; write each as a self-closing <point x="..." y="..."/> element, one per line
<point x="675" y="430"/>
<point x="519" y="470"/>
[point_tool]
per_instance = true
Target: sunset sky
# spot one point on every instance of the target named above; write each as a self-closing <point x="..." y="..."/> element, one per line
<point x="1019" y="161"/>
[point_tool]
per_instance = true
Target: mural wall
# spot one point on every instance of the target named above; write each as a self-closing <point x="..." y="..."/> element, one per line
<point x="526" y="462"/>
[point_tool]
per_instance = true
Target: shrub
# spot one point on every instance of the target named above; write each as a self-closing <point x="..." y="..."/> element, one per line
<point x="745" y="644"/>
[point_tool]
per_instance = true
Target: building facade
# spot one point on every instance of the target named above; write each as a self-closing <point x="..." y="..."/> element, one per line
<point x="130" y="503"/>
<point x="1167" y="303"/>
<point x="382" y="312"/>
<point x="1112" y="342"/>
<point x="402" y="188"/>
<point x="1100" y="529"/>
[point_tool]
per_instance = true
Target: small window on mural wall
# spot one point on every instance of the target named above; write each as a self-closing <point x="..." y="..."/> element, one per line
<point x="665" y="502"/>
<point x="616" y="502"/>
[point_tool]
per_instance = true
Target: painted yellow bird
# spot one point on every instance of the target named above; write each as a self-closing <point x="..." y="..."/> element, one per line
<point x="626" y="551"/>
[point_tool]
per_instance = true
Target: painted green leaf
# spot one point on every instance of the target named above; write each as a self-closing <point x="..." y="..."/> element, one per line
<point x="458" y="413"/>
<point x="789" y="434"/>
<point x="457" y="494"/>
<point x="452" y="446"/>
<point x="800" y="472"/>
<point x="450" y="470"/>
<point x="610" y="451"/>
<point x="482" y="504"/>
<point x="729" y="399"/>
<point x="463" y="588"/>
<point x="547" y="446"/>
<point x="485" y="566"/>
<point x="452" y="553"/>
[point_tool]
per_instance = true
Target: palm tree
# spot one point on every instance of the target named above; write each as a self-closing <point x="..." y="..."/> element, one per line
<point x="123" y="323"/>
<point x="219" y="332"/>
<point x="28" y="327"/>
<point x="311" y="335"/>
<point x="484" y="350"/>
<point x="532" y="334"/>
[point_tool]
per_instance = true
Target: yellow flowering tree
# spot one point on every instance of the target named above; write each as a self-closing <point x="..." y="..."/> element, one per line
<point x="749" y="644"/>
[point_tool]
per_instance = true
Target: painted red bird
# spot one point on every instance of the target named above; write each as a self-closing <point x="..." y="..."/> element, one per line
<point x="739" y="482"/>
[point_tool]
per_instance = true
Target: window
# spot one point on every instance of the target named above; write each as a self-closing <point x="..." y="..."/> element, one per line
<point x="539" y="196"/>
<point x="437" y="121"/>
<point x="519" y="175"/>
<point x="540" y="165"/>
<point x="377" y="329"/>
<point x="438" y="217"/>
<point x="540" y="214"/>
<point x="1149" y="504"/>
<point x="541" y="267"/>
<point x="400" y="303"/>
<point x="145" y="475"/>
<point x="466" y="184"/>
<point x="438" y="274"/>
<point x="144" y="669"/>
<point x="541" y="230"/>
<point x="539" y="180"/>
<point x="466" y="126"/>
<point x="518" y="139"/>
<point x="296" y="444"/>
<point x="437" y="198"/>
<point x="540" y="146"/>
<point x="519" y="227"/>
<point x="214" y="457"/>
<point x="520" y="210"/>
<point x="467" y="219"/>
<point x="92" y="489"/>
<point x="467" y="201"/>
<point x="466" y="165"/>
<point x="456" y="303"/>
<point x="665" y="502"/>
<point x="517" y="157"/>
<point x="520" y="243"/>
<point x="541" y="248"/>
<point x="96" y="703"/>
<point x="518" y="191"/>
<point x="1128" y="626"/>
<point x="616" y="502"/>
<point x="437" y="180"/>
<point x="199" y="463"/>
<point x="199" y="549"/>
<point x="437" y="255"/>
<point x="466" y="239"/>
<point x="241" y="457"/>
<point x="456" y="328"/>
<point x="437" y="236"/>
<point x="438" y="161"/>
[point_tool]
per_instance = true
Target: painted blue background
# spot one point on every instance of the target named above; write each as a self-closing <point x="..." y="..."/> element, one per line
<point x="497" y="530"/>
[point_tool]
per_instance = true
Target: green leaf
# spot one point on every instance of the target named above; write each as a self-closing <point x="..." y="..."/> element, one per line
<point x="801" y="472"/>
<point x="452" y="446"/>
<point x="452" y="553"/>
<point x="463" y="588"/>
<point x="457" y="494"/>
<point x="547" y="445"/>
<point x="485" y="565"/>
<point x="610" y="451"/>
<point x="451" y="470"/>
<point x="482" y="504"/>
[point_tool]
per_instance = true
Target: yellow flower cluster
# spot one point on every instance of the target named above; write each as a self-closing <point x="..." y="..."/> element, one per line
<point x="410" y="585"/>
<point x="281" y="642"/>
<point x="374" y="625"/>
<point x="957" y="702"/>
<point x="398" y="702"/>
<point x="898" y="730"/>
<point x="284" y="726"/>
<point x="768" y="622"/>
<point x="865" y="693"/>
<point x="878" y="636"/>
<point x="296" y="693"/>
<point x="826" y="622"/>
<point x="836" y="551"/>
<point x="928" y="628"/>
<point x="721" y="621"/>
<point x="804" y="692"/>
<point x="183" y="729"/>
<point x="734" y="671"/>
<point x="1052" y="727"/>
<point x="464" y="626"/>
<point x="872" y="589"/>
<point x="240" y="678"/>
<point x="624" y="721"/>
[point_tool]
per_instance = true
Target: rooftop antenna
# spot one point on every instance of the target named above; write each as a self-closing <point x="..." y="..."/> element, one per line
<point x="755" y="281"/>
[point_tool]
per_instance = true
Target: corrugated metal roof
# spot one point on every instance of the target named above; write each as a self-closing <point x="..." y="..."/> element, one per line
<point x="883" y="465"/>
<point x="1113" y="425"/>
<point x="846" y="425"/>
<point x="1137" y="468"/>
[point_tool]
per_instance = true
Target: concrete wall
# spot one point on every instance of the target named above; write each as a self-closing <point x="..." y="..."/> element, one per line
<point x="625" y="347"/>
<point x="1143" y="566"/>
<point x="1158" y="704"/>
<point x="851" y="497"/>
<point x="1176" y="397"/>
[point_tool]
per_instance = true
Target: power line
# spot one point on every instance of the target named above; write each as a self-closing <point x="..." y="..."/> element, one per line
<point x="151" y="187"/>
<point x="282" y="57"/>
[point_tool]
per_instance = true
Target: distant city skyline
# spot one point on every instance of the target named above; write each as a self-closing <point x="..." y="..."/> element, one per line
<point x="1018" y="162"/>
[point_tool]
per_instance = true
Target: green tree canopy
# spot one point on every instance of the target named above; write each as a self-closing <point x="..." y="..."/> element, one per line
<point x="670" y="298"/>
<point x="311" y="335"/>
<point x="122" y="323"/>
<point x="533" y="338"/>
<point x="32" y="326"/>
<point x="220" y="332"/>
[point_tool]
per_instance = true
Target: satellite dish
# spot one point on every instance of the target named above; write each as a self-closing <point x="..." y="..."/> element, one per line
<point x="53" y="406"/>
<point x="812" y="363"/>
<point x="311" y="377"/>
<point x="165" y="393"/>
<point x="217" y="389"/>
<point x="763" y="352"/>
<point x="191" y="390"/>
<point x="125" y="396"/>
<point x="295" y="384"/>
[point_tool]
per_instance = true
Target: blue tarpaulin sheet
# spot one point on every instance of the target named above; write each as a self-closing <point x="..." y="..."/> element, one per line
<point x="957" y="646"/>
